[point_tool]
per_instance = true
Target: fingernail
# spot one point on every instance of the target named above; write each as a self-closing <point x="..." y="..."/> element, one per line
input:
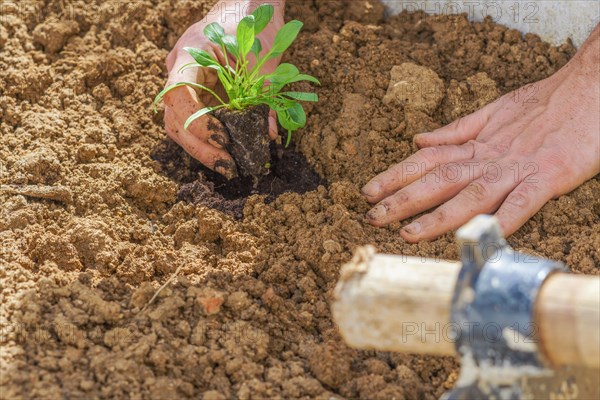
<point x="217" y="141"/>
<point x="413" y="228"/>
<point x="226" y="168"/>
<point x="417" y="138"/>
<point x="377" y="213"/>
<point x="371" y="189"/>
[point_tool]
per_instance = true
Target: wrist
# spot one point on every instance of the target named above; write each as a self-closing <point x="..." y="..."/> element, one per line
<point x="583" y="67"/>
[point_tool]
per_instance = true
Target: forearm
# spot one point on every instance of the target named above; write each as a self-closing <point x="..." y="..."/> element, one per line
<point x="589" y="52"/>
<point x="584" y="67"/>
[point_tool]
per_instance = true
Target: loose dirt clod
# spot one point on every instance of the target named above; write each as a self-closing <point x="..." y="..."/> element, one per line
<point x="73" y="279"/>
<point x="57" y="193"/>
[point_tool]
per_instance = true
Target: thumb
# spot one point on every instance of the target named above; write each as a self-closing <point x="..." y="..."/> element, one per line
<point x="184" y="102"/>
<point x="273" y="131"/>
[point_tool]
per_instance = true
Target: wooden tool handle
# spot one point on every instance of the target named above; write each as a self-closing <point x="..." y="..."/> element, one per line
<point x="402" y="304"/>
<point x="390" y="302"/>
<point x="568" y="316"/>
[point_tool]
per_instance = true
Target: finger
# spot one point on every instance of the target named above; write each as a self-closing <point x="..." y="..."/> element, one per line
<point x="458" y="132"/>
<point x="438" y="186"/>
<point x="170" y="61"/>
<point x="273" y="132"/>
<point x="522" y="204"/>
<point x="184" y="102"/>
<point x="216" y="159"/>
<point x="413" y="168"/>
<point x="483" y="195"/>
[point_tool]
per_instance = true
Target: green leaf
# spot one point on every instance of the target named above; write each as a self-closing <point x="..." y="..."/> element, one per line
<point x="298" y="115"/>
<point x="262" y="16"/>
<point x="160" y="96"/>
<point x="225" y="81"/>
<point x="256" y="48"/>
<point x="245" y="35"/>
<point x="257" y="86"/>
<point x="231" y="44"/>
<point x="292" y="118"/>
<point x="202" y="57"/>
<point x="302" y="77"/>
<point x="283" y="73"/>
<point x="188" y="66"/>
<point x="286" y="74"/>
<point x="199" y="114"/>
<point x="285" y="37"/>
<point x="223" y="76"/>
<point x="214" y="32"/>
<point x="302" y="96"/>
<point x="285" y="120"/>
<point x="279" y="104"/>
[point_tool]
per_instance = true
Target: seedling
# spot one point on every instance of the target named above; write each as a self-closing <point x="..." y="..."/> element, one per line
<point x="244" y="85"/>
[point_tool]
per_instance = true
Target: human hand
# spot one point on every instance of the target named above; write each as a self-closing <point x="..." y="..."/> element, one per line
<point x="509" y="157"/>
<point x="206" y="139"/>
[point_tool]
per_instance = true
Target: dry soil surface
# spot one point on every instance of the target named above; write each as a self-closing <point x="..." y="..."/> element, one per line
<point x="90" y="225"/>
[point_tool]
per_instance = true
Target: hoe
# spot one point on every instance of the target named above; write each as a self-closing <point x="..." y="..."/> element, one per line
<point x="508" y="316"/>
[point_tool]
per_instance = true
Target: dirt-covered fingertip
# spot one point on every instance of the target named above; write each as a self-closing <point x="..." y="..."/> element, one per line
<point x="378" y="215"/>
<point x="217" y="134"/>
<point x="226" y="168"/>
<point x="371" y="191"/>
<point x="218" y="141"/>
<point x="420" y="140"/>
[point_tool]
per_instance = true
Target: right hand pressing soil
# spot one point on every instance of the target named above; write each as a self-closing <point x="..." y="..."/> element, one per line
<point x="206" y="139"/>
<point x="537" y="150"/>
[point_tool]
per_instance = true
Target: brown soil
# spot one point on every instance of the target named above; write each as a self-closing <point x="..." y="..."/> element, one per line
<point x="249" y="135"/>
<point x="248" y="316"/>
<point x="289" y="172"/>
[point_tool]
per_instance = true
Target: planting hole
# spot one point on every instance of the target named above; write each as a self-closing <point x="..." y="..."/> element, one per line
<point x="290" y="172"/>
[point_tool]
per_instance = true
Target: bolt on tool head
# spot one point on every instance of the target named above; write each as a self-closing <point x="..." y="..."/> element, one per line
<point x="493" y="311"/>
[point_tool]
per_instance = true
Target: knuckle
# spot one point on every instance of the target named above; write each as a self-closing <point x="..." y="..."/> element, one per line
<point x="393" y="174"/>
<point x="518" y="199"/>
<point x="430" y="154"/>
<point x="460" y="123"/>
<point x="439" y="215"/>
<point x="471" y="146"/>
<point x="490" y="151"/>
<point x="455" y="125"/>
<point x="476" y="192"/>
<point x="482" y="117"/>
<point x="400" y="197"/>
<point x="555" y="162"/>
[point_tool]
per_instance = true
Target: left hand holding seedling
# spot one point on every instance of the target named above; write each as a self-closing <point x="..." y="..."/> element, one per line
<point x="205" y="139"/>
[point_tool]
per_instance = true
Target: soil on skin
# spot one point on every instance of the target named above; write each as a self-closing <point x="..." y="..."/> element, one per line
<point x="249" y="135"/>
<point x="248" y="316"/>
